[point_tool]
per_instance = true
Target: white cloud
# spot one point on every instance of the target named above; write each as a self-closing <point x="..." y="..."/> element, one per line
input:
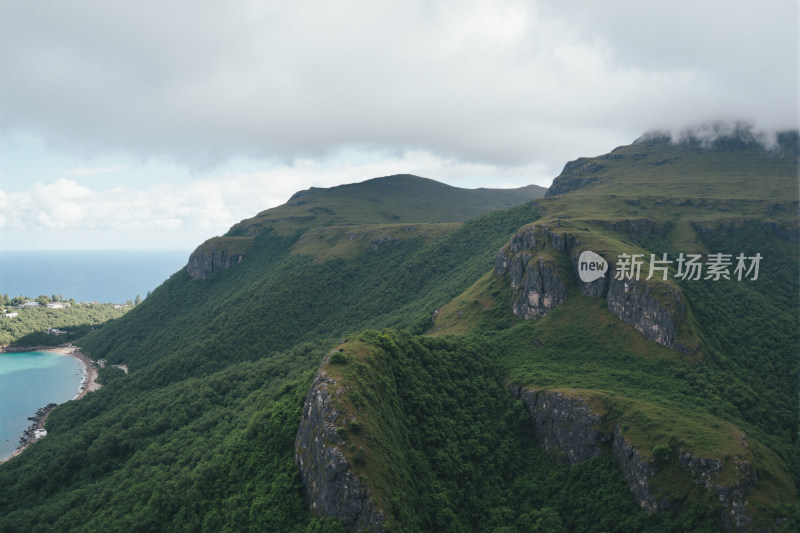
<point x="92" y="171"/>
<point x="506" y="82"/>
<point x="180" y="215"/>
<point x="471" y="92"/>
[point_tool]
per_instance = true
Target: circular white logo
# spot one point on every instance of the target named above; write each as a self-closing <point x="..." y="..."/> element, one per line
<point x="591" y="266"/>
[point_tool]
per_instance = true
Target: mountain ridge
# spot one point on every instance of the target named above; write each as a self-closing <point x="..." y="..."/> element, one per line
<point x="391" y="200"/>
<point x="203" y="433"/>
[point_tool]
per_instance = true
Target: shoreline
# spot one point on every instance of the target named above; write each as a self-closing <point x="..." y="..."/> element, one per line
<point x="88" y="384"/>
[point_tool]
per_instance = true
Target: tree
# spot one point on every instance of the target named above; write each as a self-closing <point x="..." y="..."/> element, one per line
<point x="138" y="300"/>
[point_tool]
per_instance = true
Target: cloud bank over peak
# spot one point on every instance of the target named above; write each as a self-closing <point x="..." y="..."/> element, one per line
<point x="168" y="122"/>
<point x="501" y="82"/>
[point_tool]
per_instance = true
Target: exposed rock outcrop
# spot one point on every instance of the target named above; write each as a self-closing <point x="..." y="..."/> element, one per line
<point x="576" y="175"/>
<point x="564" y="424"/>
<point x="637" y="471"/>
<point x="37" y="423"/>
<point x="788" y="231"/>
<point x="538" y="287"/>
<point x="331" y="488"/>
<point x="655" y="317"/>
<point x="570" y="427"/>
<point x="212" y="256"/>
<point x="735" y="516"/>
<point x="597" y="288"/>
<point x="655" y="310"/>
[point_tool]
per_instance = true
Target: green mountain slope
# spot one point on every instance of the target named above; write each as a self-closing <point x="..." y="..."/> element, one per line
<point x="392" y="199"/>
<point x="358" y="216"/>
<point x="150" y="425"/>
<point x="201" y="435"/>
<point x="742" y="338"/>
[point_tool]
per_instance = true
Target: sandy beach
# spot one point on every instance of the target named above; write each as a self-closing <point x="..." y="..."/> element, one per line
<point x="90" y="376"/>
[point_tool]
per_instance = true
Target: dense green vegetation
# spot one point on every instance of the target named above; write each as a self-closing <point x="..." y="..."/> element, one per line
<point x="199" y="436"/>
<point x="705" y="403"/>
<point x="451" y="450"/>
<point x="745" y="380"/>
<point x="274" y="300"/>
<point x="141" y="428"/>
<point x="213" y="455"/>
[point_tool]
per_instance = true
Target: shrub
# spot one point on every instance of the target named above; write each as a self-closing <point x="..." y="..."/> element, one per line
<point x="338" y="358"/>
<point x="662" y="453"/>
<point x="359" y="457"/>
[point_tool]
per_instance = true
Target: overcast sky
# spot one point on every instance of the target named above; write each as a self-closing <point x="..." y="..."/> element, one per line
<point x="154" y="124"/>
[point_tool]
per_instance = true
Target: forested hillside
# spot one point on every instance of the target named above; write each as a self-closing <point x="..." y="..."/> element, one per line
<point x="430" y="345"/>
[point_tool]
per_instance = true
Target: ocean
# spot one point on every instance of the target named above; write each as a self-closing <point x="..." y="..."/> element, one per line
<point x="88" y="276"/>
<point x="29" y="381"/>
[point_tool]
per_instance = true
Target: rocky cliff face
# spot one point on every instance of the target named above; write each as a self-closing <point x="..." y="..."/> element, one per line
<point x="788" y="231"/>
<point x="537" y="284"/>
<point x="569" y="426"/>
<point x="656" y="311"/>
<point x="212" y="257"/>
<point x="576" y="175"/>
<point x="637" y="472"/>
<point x="331" y="489"/>
<point x="566" y="425"/>
<point x="657" y="318"/>
<point x="735" y="516"/>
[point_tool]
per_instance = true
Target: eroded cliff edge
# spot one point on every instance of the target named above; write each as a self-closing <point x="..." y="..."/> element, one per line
<point x="331" y="488"/>
<point x="541" y="260"/>
<point x="569" y="425"/>
<point x="217" y="254"/>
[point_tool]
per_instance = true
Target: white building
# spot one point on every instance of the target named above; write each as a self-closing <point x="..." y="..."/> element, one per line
<point x="39" y="433"/>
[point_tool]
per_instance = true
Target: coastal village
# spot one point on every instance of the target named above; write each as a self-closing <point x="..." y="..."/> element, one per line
<point x="30" y="321"/>
<point x="55" y="304"/>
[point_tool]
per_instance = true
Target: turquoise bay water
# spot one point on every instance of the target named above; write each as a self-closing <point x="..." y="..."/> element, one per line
<point x="28" y="381"/>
